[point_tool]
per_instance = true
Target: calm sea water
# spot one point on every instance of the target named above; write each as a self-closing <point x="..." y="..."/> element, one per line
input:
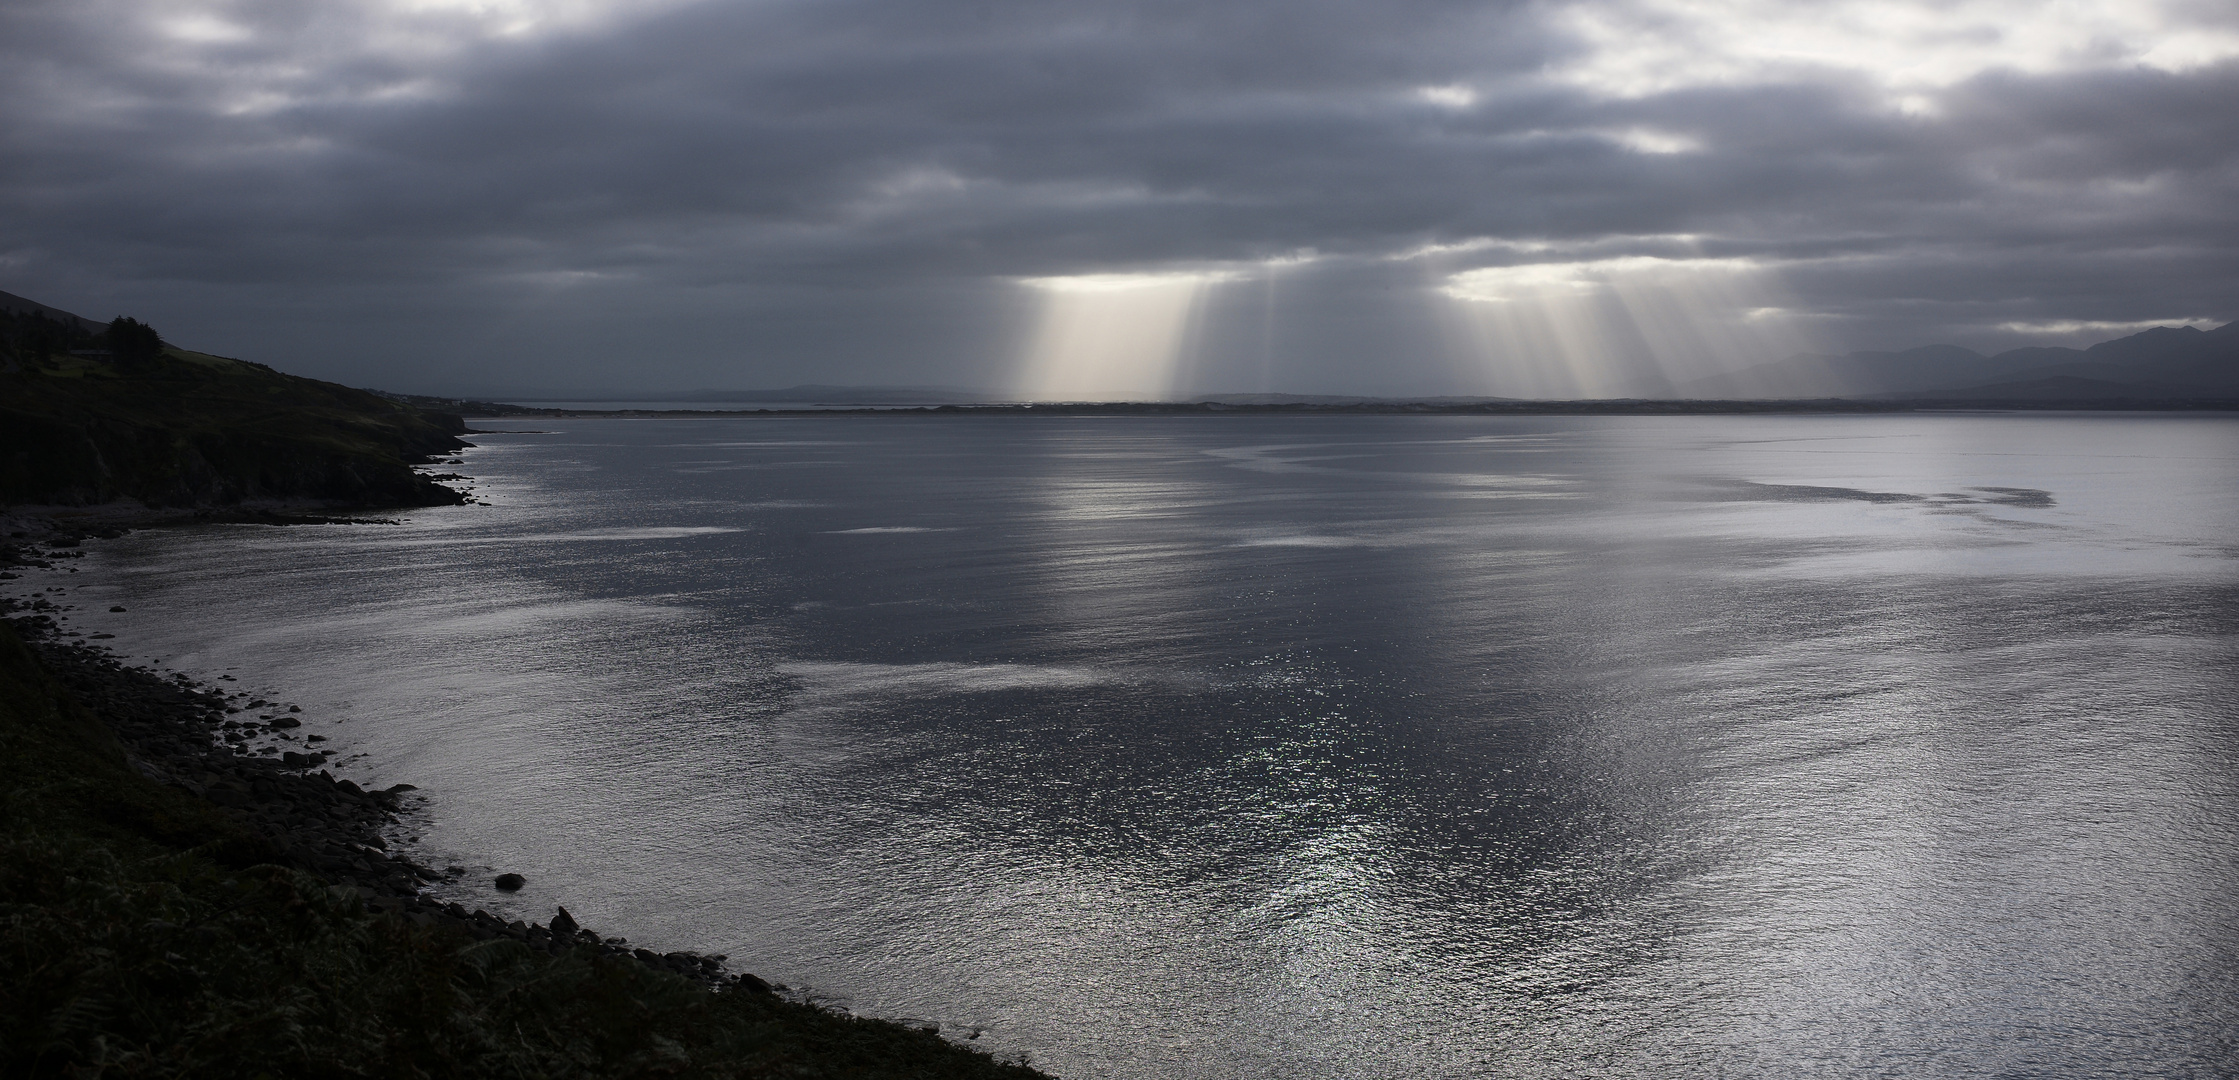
<point x="1324" y="746"/>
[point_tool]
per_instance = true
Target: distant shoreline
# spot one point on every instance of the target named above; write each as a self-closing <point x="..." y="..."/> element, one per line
<point x="486" y="410"/>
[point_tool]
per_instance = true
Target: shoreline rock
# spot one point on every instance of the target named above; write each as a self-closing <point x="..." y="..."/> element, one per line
<point x="183" y="732"/>
<point x="176" y="908"/>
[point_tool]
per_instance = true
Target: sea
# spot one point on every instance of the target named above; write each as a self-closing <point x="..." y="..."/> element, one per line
<point x="1317" y="746"/>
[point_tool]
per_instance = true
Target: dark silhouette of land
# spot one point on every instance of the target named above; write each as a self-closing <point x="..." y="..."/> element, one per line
<point x="2164" y="364"/>
<point x="95" y="413"/>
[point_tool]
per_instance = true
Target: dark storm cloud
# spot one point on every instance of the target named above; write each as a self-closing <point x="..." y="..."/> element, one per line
<point x="757" y="193"/>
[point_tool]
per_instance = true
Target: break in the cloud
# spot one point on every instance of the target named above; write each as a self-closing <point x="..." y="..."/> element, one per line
<point x="1098" y="198"/>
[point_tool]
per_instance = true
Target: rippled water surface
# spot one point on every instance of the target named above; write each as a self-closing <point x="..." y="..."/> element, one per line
<point x="1324" y="746"/>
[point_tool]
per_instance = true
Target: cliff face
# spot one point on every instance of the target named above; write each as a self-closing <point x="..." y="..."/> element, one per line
<point x="188" y="429"/>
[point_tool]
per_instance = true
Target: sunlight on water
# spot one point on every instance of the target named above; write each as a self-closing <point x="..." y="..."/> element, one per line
<point x="1323" y="746"/>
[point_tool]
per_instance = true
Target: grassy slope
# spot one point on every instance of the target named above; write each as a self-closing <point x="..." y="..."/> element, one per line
<point x="190" y="429"/>
<point x="143" y="935"/>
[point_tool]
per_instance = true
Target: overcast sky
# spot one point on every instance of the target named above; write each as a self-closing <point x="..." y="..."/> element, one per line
<point x="1099" y="199"/>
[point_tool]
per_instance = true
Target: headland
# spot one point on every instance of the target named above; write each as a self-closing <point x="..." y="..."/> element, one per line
<point x="186" y="891"/>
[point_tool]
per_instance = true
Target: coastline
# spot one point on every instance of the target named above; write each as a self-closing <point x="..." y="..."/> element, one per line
<point x="241" y="761"/>
<point x="226" y="747"/>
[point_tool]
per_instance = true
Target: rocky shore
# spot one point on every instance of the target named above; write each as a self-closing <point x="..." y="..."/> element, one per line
<point x="185" y="890"/>
<point x="228" y="779"/>
<point x="242" y="754"/>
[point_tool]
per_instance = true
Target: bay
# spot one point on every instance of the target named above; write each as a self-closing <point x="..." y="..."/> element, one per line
<point x="1322" y="746"/>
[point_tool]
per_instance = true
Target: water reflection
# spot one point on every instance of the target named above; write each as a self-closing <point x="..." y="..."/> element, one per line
<point x="1329" y="746"/>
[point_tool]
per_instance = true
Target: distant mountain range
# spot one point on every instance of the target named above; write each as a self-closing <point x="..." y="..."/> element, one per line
<point x="1335" y="399"/>
<point x="804" y="394"/>
<point x="2166" y="363"/>
<point x="818" y="393"/>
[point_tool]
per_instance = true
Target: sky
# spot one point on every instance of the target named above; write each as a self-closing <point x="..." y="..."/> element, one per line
<point x="1083" y="200"/>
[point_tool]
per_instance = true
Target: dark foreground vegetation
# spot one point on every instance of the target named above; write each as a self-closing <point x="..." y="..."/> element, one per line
<point x="91" y="414"/>
<point x="164" y="913"/>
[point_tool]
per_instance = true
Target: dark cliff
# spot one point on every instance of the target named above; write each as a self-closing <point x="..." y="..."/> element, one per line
<point x="180" y="429"/>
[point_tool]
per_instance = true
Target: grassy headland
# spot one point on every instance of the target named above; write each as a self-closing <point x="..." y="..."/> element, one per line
<point x="174" y="428"/>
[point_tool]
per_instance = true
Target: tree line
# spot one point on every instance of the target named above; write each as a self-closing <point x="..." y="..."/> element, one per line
<point x="31" y="337"/>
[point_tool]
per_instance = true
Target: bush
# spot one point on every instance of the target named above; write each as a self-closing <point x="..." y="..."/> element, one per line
<point x="131" y="339"/>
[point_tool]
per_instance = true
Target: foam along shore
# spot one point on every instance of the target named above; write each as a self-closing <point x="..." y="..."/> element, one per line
<point x="183" y="896"/>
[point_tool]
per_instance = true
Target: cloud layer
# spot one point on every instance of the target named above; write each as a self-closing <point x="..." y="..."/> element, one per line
<point x="1404" y="197"/>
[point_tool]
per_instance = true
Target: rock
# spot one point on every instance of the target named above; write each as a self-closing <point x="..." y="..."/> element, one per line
<point x="749" y="982"/>
<point x="119" y="607"/>
<point x="511" y="882"/>
<point x="564" y="925"/>
<point x="287" y="722"/>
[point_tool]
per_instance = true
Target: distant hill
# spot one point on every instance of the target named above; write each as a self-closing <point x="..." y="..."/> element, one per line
<point x="1336" y="399"/>
<point x="2166" y="363"/>
<point x="11" y="304"/>
<point x="820" y="394"/>
<point x="86" y="420"/>
<point x="803" y="394"/>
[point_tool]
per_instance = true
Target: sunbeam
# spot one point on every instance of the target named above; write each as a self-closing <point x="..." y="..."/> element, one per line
<point x="1630" y="326"/>
<point x="1111" y="337"/>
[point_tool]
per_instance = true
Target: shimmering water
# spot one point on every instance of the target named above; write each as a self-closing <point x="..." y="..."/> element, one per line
<point x="1325" y="746"/>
